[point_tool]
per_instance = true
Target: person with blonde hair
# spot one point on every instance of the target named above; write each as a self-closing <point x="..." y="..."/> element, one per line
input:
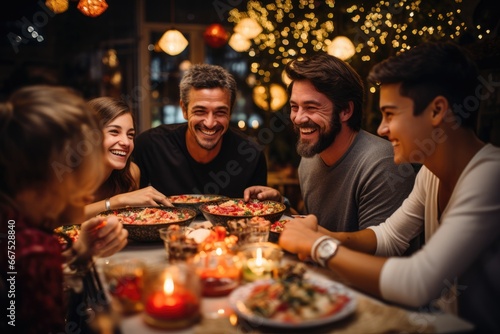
<point x="51" y="163"/>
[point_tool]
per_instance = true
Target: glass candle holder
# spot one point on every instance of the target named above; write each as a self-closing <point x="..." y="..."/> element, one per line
<point x="124" y="278"/>
<point x="249" y="230"/>
<point x="171" y="296"/>
<point x="178" y="245"/>
<point x="219" y="270"/>
<point x="260" y="260"/>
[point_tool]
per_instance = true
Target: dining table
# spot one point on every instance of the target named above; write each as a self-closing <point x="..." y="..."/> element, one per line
<point x="371" y="315"/>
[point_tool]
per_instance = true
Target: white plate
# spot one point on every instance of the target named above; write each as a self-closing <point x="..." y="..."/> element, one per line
<point x="238" y="296"/>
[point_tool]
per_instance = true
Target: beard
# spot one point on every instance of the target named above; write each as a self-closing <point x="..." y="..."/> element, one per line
<point x="306" y="148"/>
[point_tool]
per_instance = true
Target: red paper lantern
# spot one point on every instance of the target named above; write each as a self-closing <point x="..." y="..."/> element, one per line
<point x="215" y="35"/>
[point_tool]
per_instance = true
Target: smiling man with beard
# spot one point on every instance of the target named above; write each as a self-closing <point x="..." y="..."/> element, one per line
<point x="205" y="155"/>
<point x="347" y="176"/>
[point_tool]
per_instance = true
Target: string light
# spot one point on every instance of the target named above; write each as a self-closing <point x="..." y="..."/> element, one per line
<point x="289" y="29"/>
<point x="377" y="28"/>
<point x="391" y="26"/>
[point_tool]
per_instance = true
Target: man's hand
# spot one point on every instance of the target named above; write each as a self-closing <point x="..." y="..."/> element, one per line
<point x="262" y="193"/>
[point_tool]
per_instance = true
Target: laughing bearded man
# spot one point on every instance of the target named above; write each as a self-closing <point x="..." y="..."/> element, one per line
<point x="347" y="176"/>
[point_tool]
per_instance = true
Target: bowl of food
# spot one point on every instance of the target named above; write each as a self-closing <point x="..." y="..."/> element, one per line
<point x="193" y="201"/>
<point x="143" y="223"/>
<point x="249" y="230"/>
<point x="276" y="228"/>
<point x="221" y="212"/>
<point x="67" y="234"/>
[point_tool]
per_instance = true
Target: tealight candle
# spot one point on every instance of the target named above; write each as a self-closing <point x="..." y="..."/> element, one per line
<point x="262" y="259"/>
<point x="258" y="265"/>
<point x="174" y="305"/>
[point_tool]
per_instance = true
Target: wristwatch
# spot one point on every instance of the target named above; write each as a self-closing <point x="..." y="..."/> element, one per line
<point x="325" y="250"/>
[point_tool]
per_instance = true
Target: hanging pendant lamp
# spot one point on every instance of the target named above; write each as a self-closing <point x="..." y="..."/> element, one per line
<point x="173" y="41"/>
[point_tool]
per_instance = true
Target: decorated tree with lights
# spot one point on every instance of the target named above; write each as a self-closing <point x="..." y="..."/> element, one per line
<point x="377" y="28"/>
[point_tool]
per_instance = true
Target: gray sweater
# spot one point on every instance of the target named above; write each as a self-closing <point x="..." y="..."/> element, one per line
<point x="362" y="189"/>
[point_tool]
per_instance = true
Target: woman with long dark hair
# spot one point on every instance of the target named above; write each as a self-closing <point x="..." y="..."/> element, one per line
<point x="120" y="188"/>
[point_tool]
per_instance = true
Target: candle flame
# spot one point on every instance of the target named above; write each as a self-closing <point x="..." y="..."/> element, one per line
<point x="168" y="286"/>
<point x="258" y="257"/>
<point x="218" y="251"/>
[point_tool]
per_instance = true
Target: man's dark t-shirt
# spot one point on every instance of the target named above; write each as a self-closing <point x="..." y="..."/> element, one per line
<point x="162" y="156"/>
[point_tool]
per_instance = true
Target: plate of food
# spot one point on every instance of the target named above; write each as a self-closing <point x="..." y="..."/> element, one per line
<point x="143" y="223"/>
<point x="193" y="201"/>
<point x="221" y="212"/>
<point x="292" y="303"/>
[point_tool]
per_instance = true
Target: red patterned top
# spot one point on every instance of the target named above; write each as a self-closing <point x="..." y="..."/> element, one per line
<point x="31" y="263"/>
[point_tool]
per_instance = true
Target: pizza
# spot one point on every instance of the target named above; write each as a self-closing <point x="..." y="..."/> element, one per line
<point x="149" y="216"/>
<point x="238" y="207"/>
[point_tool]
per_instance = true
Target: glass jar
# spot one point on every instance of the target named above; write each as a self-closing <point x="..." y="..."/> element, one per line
<point x="124" y="278"/>
<point x="219" y="270"/>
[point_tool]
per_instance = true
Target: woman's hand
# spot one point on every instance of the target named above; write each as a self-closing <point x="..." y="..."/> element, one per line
<point x="262" y="193"/>
<point x="147" y="196"/>
<point x="101" y="236"/>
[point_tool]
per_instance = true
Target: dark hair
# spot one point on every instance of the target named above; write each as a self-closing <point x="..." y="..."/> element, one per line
<point x="45" y="132"/>
<point x="335" y="79"/>
<point x="429" y="70"/>
<point x="107" y="109"/>
<point x="201" y="76"/>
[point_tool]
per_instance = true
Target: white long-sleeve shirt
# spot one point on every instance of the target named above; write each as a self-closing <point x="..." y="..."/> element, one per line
<point x="462" y="249"/>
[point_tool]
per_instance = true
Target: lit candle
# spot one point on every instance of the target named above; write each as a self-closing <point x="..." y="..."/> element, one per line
<point x="172" y="303"/>
<point x="257" y="267"/>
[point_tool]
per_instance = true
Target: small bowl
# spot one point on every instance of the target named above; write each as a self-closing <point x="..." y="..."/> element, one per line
<point x="67" y="233"/>
<point x="249" y="230"/>
<point x="274" y="230"/>
<point x="193" y="201"/>
<point x="222" y="219"/>
<point x="148" y="231"/>
<point x="178" y="245"/>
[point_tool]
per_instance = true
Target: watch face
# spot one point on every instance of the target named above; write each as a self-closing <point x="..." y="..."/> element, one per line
<point x="326" y="249"/>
